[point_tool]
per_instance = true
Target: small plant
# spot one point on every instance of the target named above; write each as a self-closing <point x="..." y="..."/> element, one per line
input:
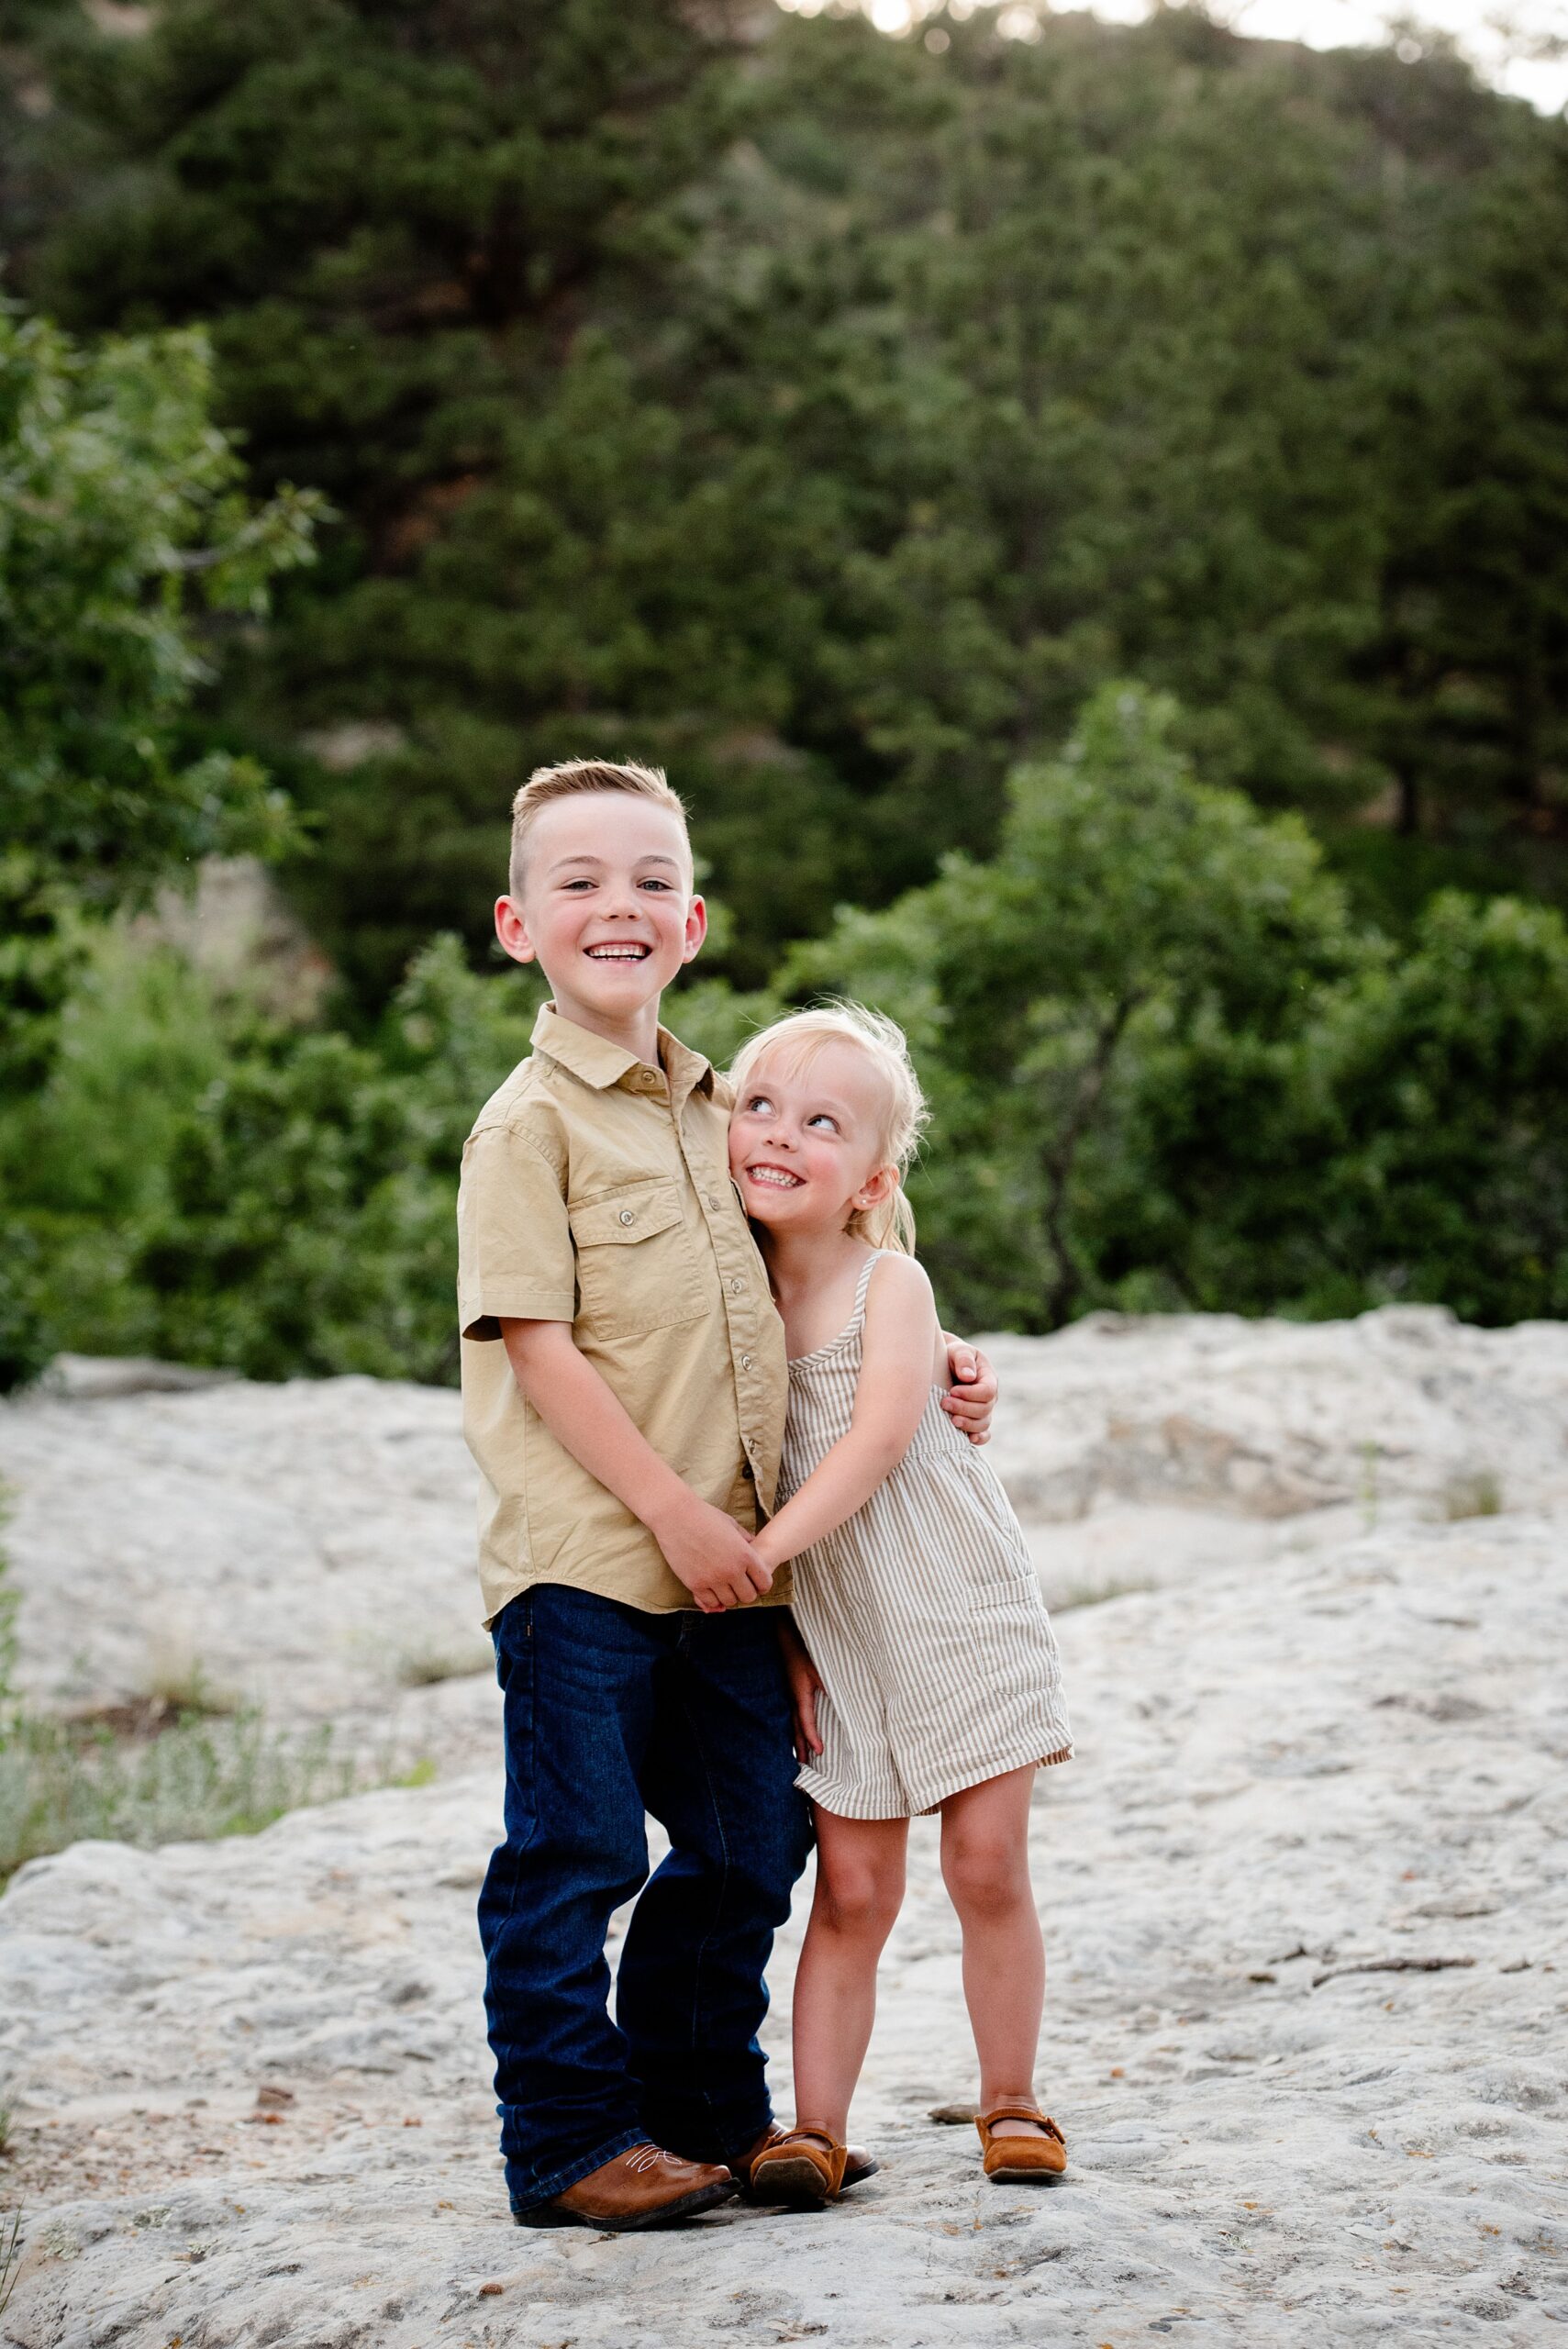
<point x="10" y="2256"/>
<point x="199" y="1780"/>
<point x="179" y="1765"/>
<point x="1475" y="1493"/>
<point x="5" y="2130"/>
<point x="426" y="1667"/>
<point x="1085" y="1593"/>
<point x="177" y="1681"/>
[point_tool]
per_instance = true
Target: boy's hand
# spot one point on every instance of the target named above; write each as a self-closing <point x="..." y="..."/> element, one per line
<point x="804" y="1684"/>
<point x="708" y="1551"/>
<point x="972" y="1398"/>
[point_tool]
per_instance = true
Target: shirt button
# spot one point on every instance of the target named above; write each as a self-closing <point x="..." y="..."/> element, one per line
<point x="745" y="1361"/>
<point x="627" y="1216"/>
<point x="736" y="1288"/>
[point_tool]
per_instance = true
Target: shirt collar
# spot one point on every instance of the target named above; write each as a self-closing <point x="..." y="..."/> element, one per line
<point x="603" y="1065"/>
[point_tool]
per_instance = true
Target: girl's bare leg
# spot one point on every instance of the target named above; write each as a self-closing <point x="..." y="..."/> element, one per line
<point x="986" y="1870"/>
<point x="859" y="1889"/>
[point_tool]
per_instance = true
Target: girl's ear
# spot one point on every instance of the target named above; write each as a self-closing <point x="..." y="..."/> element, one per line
<point x="877" y="1187"/>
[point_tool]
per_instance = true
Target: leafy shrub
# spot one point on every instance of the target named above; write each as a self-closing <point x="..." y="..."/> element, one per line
<point x="1168" y="1070"/>
<point x="208" y="1184"/>
<point x="1110" y="1017"/>
<point x="1448" y="1180"/>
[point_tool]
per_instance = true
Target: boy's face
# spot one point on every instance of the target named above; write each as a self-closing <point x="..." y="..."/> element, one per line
<point x="607" y="907"/>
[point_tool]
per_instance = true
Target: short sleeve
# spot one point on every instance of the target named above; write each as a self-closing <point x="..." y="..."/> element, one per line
<point x="513" y="1243"/>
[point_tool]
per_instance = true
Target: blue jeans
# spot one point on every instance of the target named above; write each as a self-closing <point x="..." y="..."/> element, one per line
<point x="611" y="1713"/>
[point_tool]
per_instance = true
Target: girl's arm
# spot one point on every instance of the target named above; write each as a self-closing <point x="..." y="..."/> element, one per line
<point x="896" y="1380"/>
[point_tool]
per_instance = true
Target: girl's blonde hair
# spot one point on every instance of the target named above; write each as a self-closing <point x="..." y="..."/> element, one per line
<point x="798" y="1039"/>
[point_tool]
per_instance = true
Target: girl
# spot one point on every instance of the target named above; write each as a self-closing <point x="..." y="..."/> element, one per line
<point x="922" y="1664"/>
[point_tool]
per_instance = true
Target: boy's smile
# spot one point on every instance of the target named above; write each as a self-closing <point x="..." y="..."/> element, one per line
<point x="608" y="911"/>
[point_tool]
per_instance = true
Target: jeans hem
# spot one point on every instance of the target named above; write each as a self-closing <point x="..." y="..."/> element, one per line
<point x="573" y="2173"/>
<point x="733" y="2137"/>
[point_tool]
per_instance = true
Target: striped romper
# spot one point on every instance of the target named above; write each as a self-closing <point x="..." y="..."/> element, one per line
<point x="921" y="1613"/>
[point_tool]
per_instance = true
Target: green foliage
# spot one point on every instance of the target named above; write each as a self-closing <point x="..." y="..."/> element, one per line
<point x="832" y="419"/>
<point x="119" y="499"/>
<point x="1109" y="1017"/>
<point x="1168" y="1070"/>
<point x="207" y="1183"/>
<point x="1448" y="1178"/>
<point x="115" y="492"/>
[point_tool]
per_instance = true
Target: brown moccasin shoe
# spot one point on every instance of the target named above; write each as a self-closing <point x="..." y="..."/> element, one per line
<point x="1015" y="2159"/>
<point x="644" y="2187"/>
<point x="858" y="2164"/>
<point x="803" y="2166"/>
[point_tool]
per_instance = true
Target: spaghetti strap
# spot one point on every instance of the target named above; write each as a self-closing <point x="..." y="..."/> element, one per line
<point x="862" y="1284"/>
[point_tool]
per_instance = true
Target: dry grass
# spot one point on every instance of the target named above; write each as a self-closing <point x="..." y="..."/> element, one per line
<point x="426" y="1667"/>
<point x="179" y="1763"/>
<point x="176" y="1681"/>
<point x="1477" y="1492"/>
<point x="64" y="1782"/>
<point x="1094" y="1594"/>
<point x="10" y="2256"/>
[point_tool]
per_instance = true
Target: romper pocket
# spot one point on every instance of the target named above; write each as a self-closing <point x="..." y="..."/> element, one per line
<point x="637" y="1269"/>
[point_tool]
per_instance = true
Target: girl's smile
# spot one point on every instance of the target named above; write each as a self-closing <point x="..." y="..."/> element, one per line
<point x="804" y="1140"/>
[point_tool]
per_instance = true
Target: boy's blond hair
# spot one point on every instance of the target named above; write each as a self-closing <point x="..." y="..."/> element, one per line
<point x="797" y="1040"/>
<point x="573" y="775"/>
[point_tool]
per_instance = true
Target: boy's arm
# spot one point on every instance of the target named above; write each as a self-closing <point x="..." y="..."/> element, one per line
<point x="890" y="1399"/>
<point x="705" y="1549"/>
<point x="805" y="1681"/>
<point x="973" y="1397"/>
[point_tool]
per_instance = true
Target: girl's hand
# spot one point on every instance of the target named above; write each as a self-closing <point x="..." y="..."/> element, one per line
<point x="804" y="1684"/>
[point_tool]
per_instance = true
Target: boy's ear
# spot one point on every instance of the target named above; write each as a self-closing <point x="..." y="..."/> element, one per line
<point x="696" y="929"/>
<point x="513" y="930"/>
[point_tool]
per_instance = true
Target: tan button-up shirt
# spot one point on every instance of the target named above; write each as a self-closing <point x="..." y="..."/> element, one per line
<point x="596" y="1190"/>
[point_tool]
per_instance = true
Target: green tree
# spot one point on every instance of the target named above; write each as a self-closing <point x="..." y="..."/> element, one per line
<point x="1110" y="1016"/>
<point x="831" y="418"/>
<point x="1447" y="1180"/>
<point x="121" y="518"/>
<point x="307" y="1222"/>
<point x="119" y="501"/>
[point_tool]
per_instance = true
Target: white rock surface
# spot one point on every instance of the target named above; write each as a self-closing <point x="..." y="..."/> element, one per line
<point x="310" y="1545"/>
<point x="1302" y="1778"/>
<point x="1282" y="1416"/>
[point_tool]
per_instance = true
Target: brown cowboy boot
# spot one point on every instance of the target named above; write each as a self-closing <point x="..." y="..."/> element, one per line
<point x="644" y="2187"/>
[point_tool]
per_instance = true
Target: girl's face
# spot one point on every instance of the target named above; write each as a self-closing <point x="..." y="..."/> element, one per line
<point x="805" y="1140"/>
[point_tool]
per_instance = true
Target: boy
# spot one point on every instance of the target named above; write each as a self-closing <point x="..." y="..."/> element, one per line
<point x="624" y="1389"/>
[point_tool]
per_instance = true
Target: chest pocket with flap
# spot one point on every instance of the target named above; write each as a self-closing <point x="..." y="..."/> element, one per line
<point x="637" y="1268"/>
